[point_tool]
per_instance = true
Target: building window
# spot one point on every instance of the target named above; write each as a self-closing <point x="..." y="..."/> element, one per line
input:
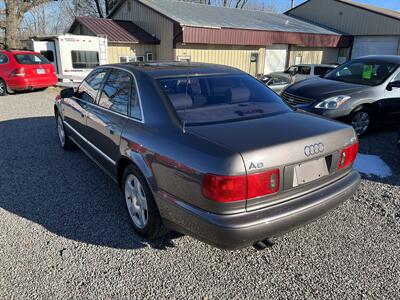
<point x="125" y="59"/>
<point x="85" y="59"/>
<point x="139" y="58"/>
<point x="149" y="56"/>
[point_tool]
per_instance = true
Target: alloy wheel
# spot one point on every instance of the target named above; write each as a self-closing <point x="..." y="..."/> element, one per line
<point x="60" y="130"/>
<point x="136" y="201"/>
<point x="360" y="122"/>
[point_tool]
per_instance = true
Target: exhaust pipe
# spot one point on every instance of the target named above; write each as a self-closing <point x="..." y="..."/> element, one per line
<point x="267" y="243"/>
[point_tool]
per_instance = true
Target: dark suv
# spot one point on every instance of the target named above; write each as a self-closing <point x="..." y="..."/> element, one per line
<point x="361" y="92"/>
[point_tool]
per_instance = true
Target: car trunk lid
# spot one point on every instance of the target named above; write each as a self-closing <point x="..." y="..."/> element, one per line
<point x="303" y="148"/>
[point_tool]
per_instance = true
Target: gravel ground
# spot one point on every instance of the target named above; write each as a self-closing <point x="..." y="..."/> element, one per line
<point x="64" y="232"/>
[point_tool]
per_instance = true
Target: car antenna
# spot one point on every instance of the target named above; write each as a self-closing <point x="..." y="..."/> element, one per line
<point x="184" y="111"/>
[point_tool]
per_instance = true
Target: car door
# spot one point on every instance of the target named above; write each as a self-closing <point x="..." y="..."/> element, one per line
<point x="390" y="104"/>
<point x="107" y="118"/>
<point x="74" y="108"/>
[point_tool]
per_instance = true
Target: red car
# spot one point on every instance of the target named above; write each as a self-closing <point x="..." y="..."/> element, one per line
<point x="24" y="70"/>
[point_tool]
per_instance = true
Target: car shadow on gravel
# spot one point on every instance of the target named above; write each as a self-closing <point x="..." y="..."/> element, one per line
<point x="63" y="191"/>
<point x="382" y="142"/>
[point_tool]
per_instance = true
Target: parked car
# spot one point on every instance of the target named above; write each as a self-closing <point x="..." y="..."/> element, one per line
<point x="276" y="83"/>
<point x="207" y="150"/>
<point x="24" y="70"/>
<point x="362" y="92"/>
<point x="299" y="72"/>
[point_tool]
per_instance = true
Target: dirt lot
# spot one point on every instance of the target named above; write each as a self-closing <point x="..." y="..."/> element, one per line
<point x="64" y="232"/>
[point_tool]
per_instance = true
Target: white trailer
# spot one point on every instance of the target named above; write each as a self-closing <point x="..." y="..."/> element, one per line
<point x="73" y="56"/>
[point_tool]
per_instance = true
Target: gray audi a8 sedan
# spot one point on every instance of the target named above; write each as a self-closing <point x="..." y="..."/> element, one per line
<point x="207" y="150"/>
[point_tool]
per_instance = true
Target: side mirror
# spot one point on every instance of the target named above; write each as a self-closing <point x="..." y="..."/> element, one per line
<point x="393" y="84"/>
<point x="67" y="93"/>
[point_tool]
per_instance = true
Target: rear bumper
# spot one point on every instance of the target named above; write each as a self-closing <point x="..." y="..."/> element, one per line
<point x="244" y="229"/>
<point x="22" y="83"/>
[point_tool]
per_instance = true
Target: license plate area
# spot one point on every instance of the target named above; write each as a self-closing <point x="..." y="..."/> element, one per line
<point x="40" y="71"/>
<point x="309" y="171"/>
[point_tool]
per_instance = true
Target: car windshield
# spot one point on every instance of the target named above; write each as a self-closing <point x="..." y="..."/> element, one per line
<point x="365" y="73"/>
<point x="224" y="98"/>
<point x="31" y="59"/>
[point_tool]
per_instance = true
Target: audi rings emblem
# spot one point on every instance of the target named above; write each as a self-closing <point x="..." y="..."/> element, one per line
<point x="314" y="149"/>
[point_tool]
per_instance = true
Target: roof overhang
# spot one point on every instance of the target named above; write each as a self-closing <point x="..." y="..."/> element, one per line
<point x="243" y="37"/>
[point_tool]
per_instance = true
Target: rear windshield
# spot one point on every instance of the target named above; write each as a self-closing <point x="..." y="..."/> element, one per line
<point x="365" y="73"/>
<point x="213" y="99"/>
<point x="31" y="59"/>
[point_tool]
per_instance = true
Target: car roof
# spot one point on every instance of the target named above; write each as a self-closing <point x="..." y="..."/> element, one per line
<point x="394" y="59"/>
<point x="176" y="69"/>
<point x="12" y="51"/>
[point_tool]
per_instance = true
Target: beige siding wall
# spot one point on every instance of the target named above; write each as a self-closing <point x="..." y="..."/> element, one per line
<point x="313" y="55"/>
<point x="152" y="22"/>
<point x="234" y="56"/>
<point x="117" y="50"/>
<point x="347" y="18"/>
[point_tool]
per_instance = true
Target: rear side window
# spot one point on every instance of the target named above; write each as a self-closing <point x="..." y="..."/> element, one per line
<point x="91" y="85"/>
<point x="48" y="54"/>
<point x="116" y="92"/>
<point x="319" y="71"/>
<point x="3" y="59"/>
<point x="31" y="59"/>
<point x="85" y="59"/>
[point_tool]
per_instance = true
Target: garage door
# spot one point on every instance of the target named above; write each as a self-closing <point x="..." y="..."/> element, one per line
<point x="373" y="45"/>
<point x="275" y="58"/>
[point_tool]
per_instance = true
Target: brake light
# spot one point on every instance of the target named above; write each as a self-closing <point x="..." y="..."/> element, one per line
<point x="262" y="184"/>
<point x="18" y="72"/>
<point x="348" y="155"/>
<point x="225" y="188"/>
<point x="237" y="188"/>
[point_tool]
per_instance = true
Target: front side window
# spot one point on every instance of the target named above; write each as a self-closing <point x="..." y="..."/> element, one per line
<point x="304" y="70"/>
<point x="221" y="98"/>
<point x="91" y="85"/>
<point x="85" y="59"/>
<point x="365" y="73"/>
<point x="116" y="92"/>
<point x="31" y="59"/>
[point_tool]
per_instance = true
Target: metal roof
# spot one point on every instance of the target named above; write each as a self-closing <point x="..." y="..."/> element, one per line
<point x="116" y="31"/>
<point x="207" y="16"/>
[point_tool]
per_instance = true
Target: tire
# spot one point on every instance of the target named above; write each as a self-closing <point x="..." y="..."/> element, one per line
<point x="142" y="209"/>
<point x="63" y="138"/>
<point x="3" y="88"/>
<point x="361" y="120"/>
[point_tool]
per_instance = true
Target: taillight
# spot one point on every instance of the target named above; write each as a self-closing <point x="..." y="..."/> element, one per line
<point x="225" y="188"/>
<point x="262" y="184"/>
<point x="18" y="72"/>
<point x="348" y="155"/>
<point x="237" y="188"/>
